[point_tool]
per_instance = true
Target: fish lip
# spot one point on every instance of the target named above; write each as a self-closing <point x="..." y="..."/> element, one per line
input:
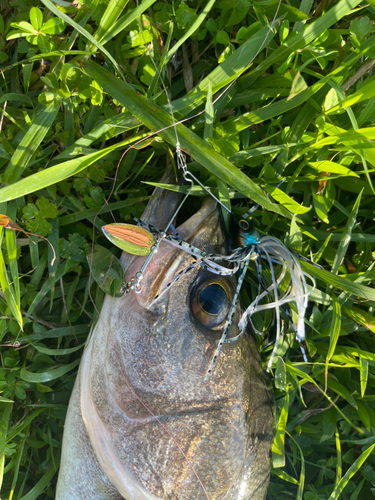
<point x="192" y="229"/>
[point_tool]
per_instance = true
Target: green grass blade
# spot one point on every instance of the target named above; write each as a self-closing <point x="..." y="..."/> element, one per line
<point x="10" y="237"/>
<point x="364" y="93"/>
<point x="18" y="460"/>
<point x="19" y="427"/>
<point x="278" y="446"/>
<point x="301" y="482"/>
<point x="334" y="332"/>
<point x="284" y="476"/>
<point x="338" y="282"/>
<point x="363" y="375"/>
<point x="52" y="175"/>
<point x="320" y="252"/>
<point x="339" y="459"/>
<point x="8" y="290"/>
<point x="350" y="472"/>
<point x="346" y="236"/>
<point x="361" y="317"/>
<point x="354" y="123"/>
<point x="31" y="141"/>
<point x="57" y="352"/>
<point x="91" y="212"/>
<point x="5" y="414"/>
<point x="357" y="491"/>
<point x="48" y="375"/>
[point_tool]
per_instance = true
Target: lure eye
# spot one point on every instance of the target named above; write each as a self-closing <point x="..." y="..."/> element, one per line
<point x="244" y="225"/>
<point x="210" y="303"/>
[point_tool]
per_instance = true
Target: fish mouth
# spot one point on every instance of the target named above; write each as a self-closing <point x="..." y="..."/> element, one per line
<point x="203" y="230"/>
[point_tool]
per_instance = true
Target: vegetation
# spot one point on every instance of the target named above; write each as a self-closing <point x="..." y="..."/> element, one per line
<point x="78" y="87"/>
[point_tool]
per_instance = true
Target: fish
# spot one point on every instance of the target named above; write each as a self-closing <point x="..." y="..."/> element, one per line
<point x="143" y="423"/>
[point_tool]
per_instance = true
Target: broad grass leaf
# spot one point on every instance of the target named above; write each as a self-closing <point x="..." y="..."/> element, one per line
<point x="284" y="476"/>
<point x="16" y="97"/>
<point x="360" y="316"/>
<point x="363" y="374"/>
<point x="320" y="207"/>
<point x="52" y="175"/>
<point x="47" y="375"/>
<point x="90" y="213"/>
<point x="106" y="270"/>
<point x="57" y="352"/>
<point x="346" y="236"/>
<point x="295" y="236"/>
<point x="280" y="375"/>
<point x="57" y="333"/>
<point x="31" y="141"/>
<point x="363" y="414"/>
<point x="298" y="85"/>
<point x="285" y="200"/>
<point x="332" y="167"/>
<point x="278" y="447"/>
<point x="333" y="333"/>
<point x="347" y="137"/>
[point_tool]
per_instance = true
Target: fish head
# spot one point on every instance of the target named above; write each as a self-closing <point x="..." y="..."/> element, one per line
<point x="158" y="428"/>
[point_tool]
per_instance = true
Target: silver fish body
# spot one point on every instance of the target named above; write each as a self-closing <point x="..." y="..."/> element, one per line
<point x="142" y="422"/>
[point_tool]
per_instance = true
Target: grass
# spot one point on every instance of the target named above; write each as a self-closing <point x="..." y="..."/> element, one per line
<point x="78" y="88"/>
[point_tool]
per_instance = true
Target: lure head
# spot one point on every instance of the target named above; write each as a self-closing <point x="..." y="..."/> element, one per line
<point x="148" y="359"/>
<point x="243" y="233"/>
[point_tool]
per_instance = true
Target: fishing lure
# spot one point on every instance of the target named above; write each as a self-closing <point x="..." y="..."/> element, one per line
<point x="247" y="245"/>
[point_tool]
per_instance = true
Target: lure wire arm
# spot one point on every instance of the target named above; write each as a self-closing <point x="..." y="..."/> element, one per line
<point x="232" y="310"/>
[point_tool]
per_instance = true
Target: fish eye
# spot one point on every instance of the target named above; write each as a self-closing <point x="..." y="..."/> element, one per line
<point x="210" y="303"/>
